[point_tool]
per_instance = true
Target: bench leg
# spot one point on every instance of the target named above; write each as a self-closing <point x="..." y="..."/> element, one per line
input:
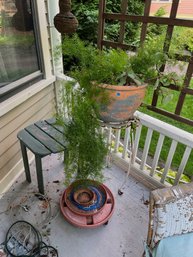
<point x="25" y="162"/>
<point x="39" y="174"/>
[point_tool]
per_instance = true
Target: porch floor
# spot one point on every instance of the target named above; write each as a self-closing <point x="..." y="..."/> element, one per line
<point x="122" y="237"/>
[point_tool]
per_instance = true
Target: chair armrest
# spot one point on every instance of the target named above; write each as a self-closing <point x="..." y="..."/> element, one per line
<point x="171" y="194"/>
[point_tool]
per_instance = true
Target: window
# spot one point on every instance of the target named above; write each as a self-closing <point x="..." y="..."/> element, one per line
<point x="19" y="57"/>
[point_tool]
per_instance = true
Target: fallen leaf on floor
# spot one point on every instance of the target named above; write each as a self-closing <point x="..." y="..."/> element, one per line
<point x="56" y="181"/>
<point x="146" y="202"/>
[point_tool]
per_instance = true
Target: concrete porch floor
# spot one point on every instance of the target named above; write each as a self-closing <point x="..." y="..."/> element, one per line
<point x="122" y="237"/>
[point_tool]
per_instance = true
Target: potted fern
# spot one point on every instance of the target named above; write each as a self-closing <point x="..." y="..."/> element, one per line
<point x="111" y="87"/>
<point x="116" y="79"/>
<point x="100" y="79"/>
<point x="86" y="148"/>
<point x="86" y="202"/>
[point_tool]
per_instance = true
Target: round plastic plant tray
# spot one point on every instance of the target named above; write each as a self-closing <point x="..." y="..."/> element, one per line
<point x="96" y="213"/>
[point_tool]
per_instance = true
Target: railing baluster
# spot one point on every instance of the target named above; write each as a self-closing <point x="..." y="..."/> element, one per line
<point x="109" y="136"/>
<point x="146" y="148"/>
<point x="102" y="130"/>
<point x="108" y="157"/>
<point x="117" y="139"/>
<point x="157" y="154"/>
<point x="182" y="164"/>
<point x="169" y="160"/>
<point x="136" y="142"/>
<point x="126" y="143"/>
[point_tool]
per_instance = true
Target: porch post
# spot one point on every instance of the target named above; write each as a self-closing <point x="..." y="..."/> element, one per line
<point x="65" y="22"/>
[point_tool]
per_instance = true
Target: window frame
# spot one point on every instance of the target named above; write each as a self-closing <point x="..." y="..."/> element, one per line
<point x="15" y="87"/>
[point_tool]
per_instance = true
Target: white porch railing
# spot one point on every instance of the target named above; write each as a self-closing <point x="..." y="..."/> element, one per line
<point x="144" y="170"/>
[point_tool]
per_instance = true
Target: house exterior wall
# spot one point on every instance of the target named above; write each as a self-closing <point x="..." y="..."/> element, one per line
<point x="36" y="107"/>
<point x="32" y="104"/>
<point x="185" y="8"/>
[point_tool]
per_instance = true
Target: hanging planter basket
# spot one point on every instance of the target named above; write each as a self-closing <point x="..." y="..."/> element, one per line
<point x="124" y="101"/>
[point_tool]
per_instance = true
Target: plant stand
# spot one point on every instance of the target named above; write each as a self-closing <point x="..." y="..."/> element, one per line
<point x="87" y="204"/>
<point x="132" y="123"/>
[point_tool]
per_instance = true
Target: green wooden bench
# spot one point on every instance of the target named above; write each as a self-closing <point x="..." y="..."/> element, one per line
<point x="41" y="138"/>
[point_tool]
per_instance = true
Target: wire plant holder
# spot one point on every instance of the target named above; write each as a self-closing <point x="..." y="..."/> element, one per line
<point x="132" y="124"/>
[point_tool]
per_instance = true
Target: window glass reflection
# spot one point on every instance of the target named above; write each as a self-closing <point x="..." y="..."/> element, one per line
<point x="18" y="53"/>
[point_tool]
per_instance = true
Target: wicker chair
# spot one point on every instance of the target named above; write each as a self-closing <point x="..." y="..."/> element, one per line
<point x="171" y="222"/>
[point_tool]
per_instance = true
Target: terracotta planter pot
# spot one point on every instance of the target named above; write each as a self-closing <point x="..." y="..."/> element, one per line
<point x="124" y="101"/>
<point x="84" y="196"/>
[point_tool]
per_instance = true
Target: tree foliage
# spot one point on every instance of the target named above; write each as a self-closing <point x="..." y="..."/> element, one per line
<point x="86" y="149"/>
<point x="86" y="12"/>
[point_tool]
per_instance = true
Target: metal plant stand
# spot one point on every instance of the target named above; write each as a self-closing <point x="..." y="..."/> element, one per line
<point x="132" y="123"/>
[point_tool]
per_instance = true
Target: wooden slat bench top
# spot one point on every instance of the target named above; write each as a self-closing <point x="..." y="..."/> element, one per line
<point x="42" y="138"/>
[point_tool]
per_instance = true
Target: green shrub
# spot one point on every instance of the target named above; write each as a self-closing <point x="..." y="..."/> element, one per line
<point x="157" y="29"/>
<point x="172" y="175"/>
<point x="183" y="38"/>
<point x="86" y="12"/>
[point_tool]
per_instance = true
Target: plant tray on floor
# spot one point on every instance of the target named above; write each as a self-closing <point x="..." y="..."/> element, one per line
<point x="87" y="204"/>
